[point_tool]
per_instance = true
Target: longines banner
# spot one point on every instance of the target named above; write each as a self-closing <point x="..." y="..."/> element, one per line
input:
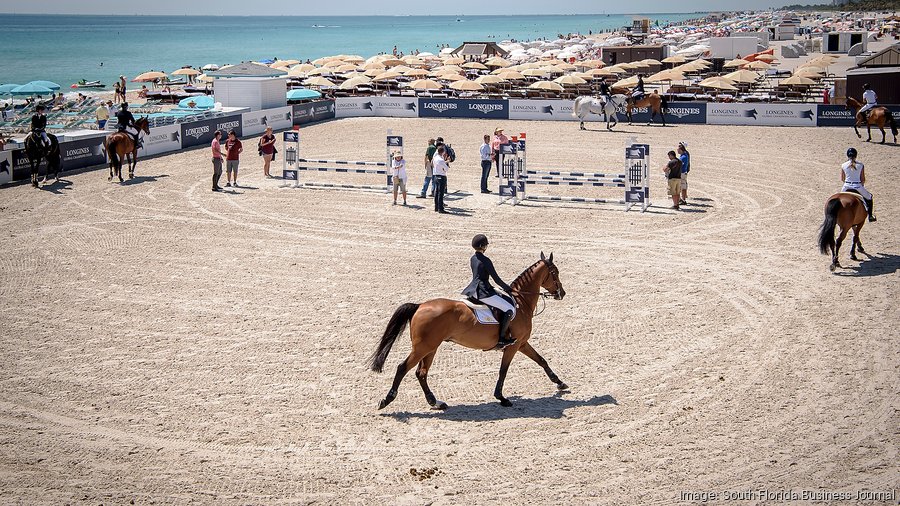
<point x="74" y="155"/>
<point x="202" y="132"/>
<point x="255" y="122"/>
<point x="453" y="108"/>
<point x="377" y="106"/>
<point x="547" y="110"/>
<point x="839" y="115"/>
<point x="761" y="114"/>
<point x="162" y="139"/>
<point x="6" y="170"/>
<point x="313" y="111"/>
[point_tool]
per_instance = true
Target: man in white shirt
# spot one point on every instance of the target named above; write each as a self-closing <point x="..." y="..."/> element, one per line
<point x="440" y="178"/>
<point x="485" y="163"/>
<point x="870" y="99"/>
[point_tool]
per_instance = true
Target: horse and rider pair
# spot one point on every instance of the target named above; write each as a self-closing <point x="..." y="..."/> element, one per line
<point x="609" y="104"/>
<point x="847" y="209"/>
<point x="869" y="113"/>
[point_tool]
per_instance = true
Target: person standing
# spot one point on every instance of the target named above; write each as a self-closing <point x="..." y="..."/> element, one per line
<point x="672" y="170"/>
<point x="441" y="167"/>
<point x="685" y="158"/>
<point x="429" y="168"/>
<point x="485" y="163"/>
<point x="398" y="175"/>
<point x="102" y="115"/>
<point x="498" y="140"/>
<point x="216" y="161"/>
<point x="116" y="92"/>
<point x="234" y="148"/>
<point x="853" y="175"/>
<point x="122" y="89"/>
<point x="267" y="148"/>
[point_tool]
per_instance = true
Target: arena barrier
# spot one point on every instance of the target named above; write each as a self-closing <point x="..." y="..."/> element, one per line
<point x="635" y="181"/>
<point x="294" y="166"/>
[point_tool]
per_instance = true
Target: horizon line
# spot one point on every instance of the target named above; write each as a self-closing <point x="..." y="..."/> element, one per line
<point x="360" y="15"/>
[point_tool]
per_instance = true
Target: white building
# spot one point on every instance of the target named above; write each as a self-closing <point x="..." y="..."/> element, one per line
<point x="250" y="85"/>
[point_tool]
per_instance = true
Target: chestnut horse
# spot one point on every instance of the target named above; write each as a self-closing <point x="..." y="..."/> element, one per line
<point x="121" y="144"/>
<point x="656" y="103"/>
<point x="846" y="210"/>
<point x="878" y="116"/>
<point x="439" y="320"/>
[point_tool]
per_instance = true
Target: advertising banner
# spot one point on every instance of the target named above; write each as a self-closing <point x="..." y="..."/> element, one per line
<point x="377" y="106"/>
<point x="76" y="154"/>
<point x="838" y="115"/>
<point x="677" y="112"/>
<point x="453" y="108"/>
<point x="761" y="114"/>
<point x="6" y="170"/>
<point x="200" y="133"/>
<point x="253" y="123"/>
<point x="313" y="111"/>
<point x="554" y="110"/>
<point x="162" y="139"/>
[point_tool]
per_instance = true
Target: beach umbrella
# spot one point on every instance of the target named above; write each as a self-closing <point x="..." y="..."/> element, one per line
<point x="319" y="71"/>
<point x="186" y="72"/>
<point x="626" y="83"/>
<point x="565" y="66"/>
<point x="201" y="102"/>
<point x="210" y="66"/>
<point x="583" y="75"/>
<point x="798" y="81"/>
<point x="497" y="62"/>
<point x="149" y="76"/>
<point x="742" y="76"/>
<point x="454" y="61"/>
<point x="511" y="75"/>
<point x="373" y="65"/>
<point x="590" y="64"/>
<point x="701" y="62"/>
<point x="719" y="83"/>
<point x="415" y="73"/>
<point x="322" y="61"/>
<point x="466" y="86"/>
<point x="546" y="86"/>
<point x="30" y="89"/>
<point x="412" y="60"/>
<point x="46" y="84"/>
<point x="675" y="59"/>
<point x="474" y="65"/>
<point x="737" y="62"/>
<point x="289" y="62"/>
<point x="651" y="61"/>
<point x="808" y="73"/>
<point x="387" y="75"/>
<point x="353" y="58"/>
<point x="296" y="72"/>
<point x="5" y="89"/>
<point x="758" y="65"/>
<point x="449" y="77"/>
<point x="425" y="84"/>
<point x="280" y="64"/>
<point x="601" y="72"/>
<point x="401" y="68"/>
<point x="392" y="62"/>
<point x="347" y="67"/>
<point x="203" y="78"/>
<point x="302" y="94"/>
<point x="616" y="69"/>
<point x="490" y="80"/>
<point x="765" y="57"/>
<point x="534" y="73"/>
<point x="553" y="69"/>
<point x="333" y="64"/>
<point x="569" y="80"/>
<point x="319" y="81"/>
<point x="665" y="75"/>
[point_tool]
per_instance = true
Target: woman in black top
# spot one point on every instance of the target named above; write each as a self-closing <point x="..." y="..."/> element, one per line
<point x="480" y="288"/>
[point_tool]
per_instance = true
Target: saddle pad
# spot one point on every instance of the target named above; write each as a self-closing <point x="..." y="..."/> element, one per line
<point x="855" y="195"/>
<point x="483" y="313"/>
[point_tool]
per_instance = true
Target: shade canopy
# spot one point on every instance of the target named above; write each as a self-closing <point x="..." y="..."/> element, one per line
<point x="425" y="84"/>
<point x="546" y="86"/>
<point x="719" y="83"/>
<point x="186" y="72"/>
<point x="319" y="81"/>
<point x="6" y="88"/>
<point x="466" y="86"/>
<point x="742" y="76"/>
<point x="149" y="76"/>
<point x="302" y="94"/>
<point x="569" y="80"/>
<point x="46" y="84"/>
<point x="30" y="89"/>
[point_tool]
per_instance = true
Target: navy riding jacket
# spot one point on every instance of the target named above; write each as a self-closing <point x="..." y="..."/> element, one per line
<point x="482" y="271"/>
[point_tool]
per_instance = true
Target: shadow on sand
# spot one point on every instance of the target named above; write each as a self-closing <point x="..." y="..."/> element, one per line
<point x="553" y="407"/>
<point x="877" y="265"/>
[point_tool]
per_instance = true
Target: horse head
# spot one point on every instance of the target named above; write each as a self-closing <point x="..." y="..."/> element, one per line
<point x="852" y="104"/>
<point x="551" y="281"/>
<point x="143" y="125"/>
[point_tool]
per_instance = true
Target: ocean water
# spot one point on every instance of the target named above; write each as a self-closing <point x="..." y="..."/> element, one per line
<point x="65" y="49"/>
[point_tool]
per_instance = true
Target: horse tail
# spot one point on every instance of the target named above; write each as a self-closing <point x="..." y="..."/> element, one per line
<point x="664" y="107"/>
<point x="395" y="326"/>
<point x="826" y="235"/>
<point x="576" y="108"/>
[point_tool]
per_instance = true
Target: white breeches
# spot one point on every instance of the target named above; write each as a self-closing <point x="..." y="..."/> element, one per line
<point x="858" y="187"/>
<point x="499" y="303"/>
<point x="867" y="107"/>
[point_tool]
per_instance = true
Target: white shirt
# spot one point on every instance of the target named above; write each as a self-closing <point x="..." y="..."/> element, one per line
<point x="440" y="165"/>
<point x="485" y="151"/>
<point x="398" y="168"/>
<point x="852" y="174"/>
<point x="869" y="97"/>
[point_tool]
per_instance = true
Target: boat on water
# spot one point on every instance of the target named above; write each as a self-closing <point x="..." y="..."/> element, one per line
<point x="89" y="84"/>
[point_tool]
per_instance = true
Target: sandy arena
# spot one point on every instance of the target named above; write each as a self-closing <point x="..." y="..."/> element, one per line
<point x="165" y="344"/>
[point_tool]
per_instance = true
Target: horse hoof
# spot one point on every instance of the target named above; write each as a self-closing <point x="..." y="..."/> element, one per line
<point x="505" y="402"/>
<point x="440" y="406"/>
<point x="860" y="249"/>
<point x="562" y="386"/>
<point x="853" y="257"/>
<point x="383" y="403"/>
<point x="109" y="178"/>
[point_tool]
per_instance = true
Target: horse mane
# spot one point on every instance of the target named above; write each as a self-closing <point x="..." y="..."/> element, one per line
<point x="525" y="276"/>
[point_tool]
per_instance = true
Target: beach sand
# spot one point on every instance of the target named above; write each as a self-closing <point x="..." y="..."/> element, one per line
<point x="163" y="343"/>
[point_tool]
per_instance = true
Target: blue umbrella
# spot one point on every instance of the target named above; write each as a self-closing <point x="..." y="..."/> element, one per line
<point x="46" y="84"/>
<point x="200" y="102"/>
<point x="27" y="90"/>
<point x="6" y="88"/>
<point x="302" y="93"/>
<point x="267" y="62"/>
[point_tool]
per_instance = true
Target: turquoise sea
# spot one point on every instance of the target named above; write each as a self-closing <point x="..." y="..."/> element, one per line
<point x="65" y="49"/>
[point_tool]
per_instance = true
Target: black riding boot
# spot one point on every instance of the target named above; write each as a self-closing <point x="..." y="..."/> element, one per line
<point x="870" y="205"/>
<point x="504" y="339"/>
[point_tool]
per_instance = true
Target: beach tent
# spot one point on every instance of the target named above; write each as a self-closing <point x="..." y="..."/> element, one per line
<point x="302" y="94"/>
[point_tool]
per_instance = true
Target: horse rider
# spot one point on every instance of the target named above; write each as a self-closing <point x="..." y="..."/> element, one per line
<point x="870" y="99"/>
<point x="480" y="289"/>
<point x="605" y="92"/>
<point x="638" y="92"/>
<point x="39" y="125"/>
<point x="853" y="174"/>
<point x="127" y="124"/>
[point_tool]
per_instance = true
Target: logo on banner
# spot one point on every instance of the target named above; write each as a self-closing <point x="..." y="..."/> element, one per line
<point x="4" y="166"/>
<point x="750" y="114"/>
<point x="440" y="107"/>
<point x="228" y="125"/>
<point x="369" y="106"/>
<point x="681" y="112"/>
<point x="197" y="132"/>
<point x="485" y="108"/>
<point x="395" y="141"/>
<point x="264" y="120"/>
<point x="807" y="114"/>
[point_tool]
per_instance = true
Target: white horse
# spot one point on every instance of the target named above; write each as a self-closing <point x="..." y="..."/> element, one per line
<point x="588" y="105"/>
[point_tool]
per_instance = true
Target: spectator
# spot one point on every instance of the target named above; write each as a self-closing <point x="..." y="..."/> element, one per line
<point x="685" y="158"/>
<point x="122" y="89"/>
<point x="449" y="154"/>
<point x="440" y="178"/>
<point x="102" y="115"/>
<point x="498" y="140"/>
<point x="116" y="92"/>
<point x="398" y="173"/>
<point x="234" y="148"/>
<point x="429" y="154"/>
<point x="112" y="108"/>
<point x="267" y="150"/>
<point x="143" y="92"/>
<point x="485" y="163"/>
<point x="672" y="170"/>
<point x="216" y="161"/>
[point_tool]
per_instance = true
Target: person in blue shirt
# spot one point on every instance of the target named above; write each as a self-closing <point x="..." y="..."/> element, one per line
<point x="685" y="158"/>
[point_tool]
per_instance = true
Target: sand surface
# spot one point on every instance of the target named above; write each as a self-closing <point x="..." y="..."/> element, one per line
<point x="162" y="343"/>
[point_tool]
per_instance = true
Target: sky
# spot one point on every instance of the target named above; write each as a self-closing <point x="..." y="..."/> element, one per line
<point x="369" y="7"/>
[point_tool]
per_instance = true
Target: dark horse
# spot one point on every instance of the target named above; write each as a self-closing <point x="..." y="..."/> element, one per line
<point x="121" y="144"/>
<point x="656" y="103"/>
<point x="438" y="320"/>
<point x="846" y="210"/>
<point x="36" y="151"/>
<point x="878" y="116"/>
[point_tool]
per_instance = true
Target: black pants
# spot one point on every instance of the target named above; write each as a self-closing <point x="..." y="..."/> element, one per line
<point x="217" y="172"/>
<point x="440" y="185"/>
<point x="485" y="172"/>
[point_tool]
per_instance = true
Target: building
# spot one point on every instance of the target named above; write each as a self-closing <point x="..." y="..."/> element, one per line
<point x="626" y="54"/>
<point x="881" y="71"/>
<point x="476" y="51"/>
<point x="250" y="85"/>
<point x="843" y="42"/>
<point x="889" y="57"/>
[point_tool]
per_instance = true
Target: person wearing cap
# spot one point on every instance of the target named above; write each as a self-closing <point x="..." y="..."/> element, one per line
<point x="102" y="113"/>
<point x="853" y="175"/>
<point x="638" y="92"/>
<point x="126" y="124"/>
<point x="672" y="170"/>
<point x="485" y="152"/>
<point x="398" y="175"/>
<point x="481" y="290"/>
<point x="39" y="125"/>
<point x="685" y="158"/>
<point x="604" y="90"/>
<point x="870" y="99"/>
<point x="498" y="140"/>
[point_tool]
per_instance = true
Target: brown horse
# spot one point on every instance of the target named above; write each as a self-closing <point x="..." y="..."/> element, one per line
<point x="121" y="145"/>
<point x="439" y="320"/>
<point x="847" y="211"/>
<point x="656" y="103"/>
<point x="878" y="116"/>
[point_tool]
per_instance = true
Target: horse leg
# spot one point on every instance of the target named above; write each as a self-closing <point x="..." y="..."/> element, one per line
<point x="531" y="353"/>
<point x="581" y="126"/>
<point x="869" y="130"/>
<point x="882" y="133"/>
<point x="402" y="368"/>
<point x="856" y="231"/>
<point x="508" y="353"/>
<point x="837" y="248"/>
<point x="422" y="376"/>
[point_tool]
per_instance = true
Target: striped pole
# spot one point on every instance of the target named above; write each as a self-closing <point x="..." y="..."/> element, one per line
<point x="338" y="169"/>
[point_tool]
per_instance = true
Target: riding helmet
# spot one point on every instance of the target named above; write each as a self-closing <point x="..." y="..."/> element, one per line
<point x="124" y="105"/>
<point x="866" y="86"/>
<point x="479" y="241"/>
<point x="851" y="153"/>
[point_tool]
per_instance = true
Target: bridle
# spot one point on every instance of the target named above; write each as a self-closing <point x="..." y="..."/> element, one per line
<point x="543" y="295"/>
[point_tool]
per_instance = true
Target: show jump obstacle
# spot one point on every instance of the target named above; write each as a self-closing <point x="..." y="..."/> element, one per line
<point x="515" y="177"/>
<point x="294" y="165"/>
